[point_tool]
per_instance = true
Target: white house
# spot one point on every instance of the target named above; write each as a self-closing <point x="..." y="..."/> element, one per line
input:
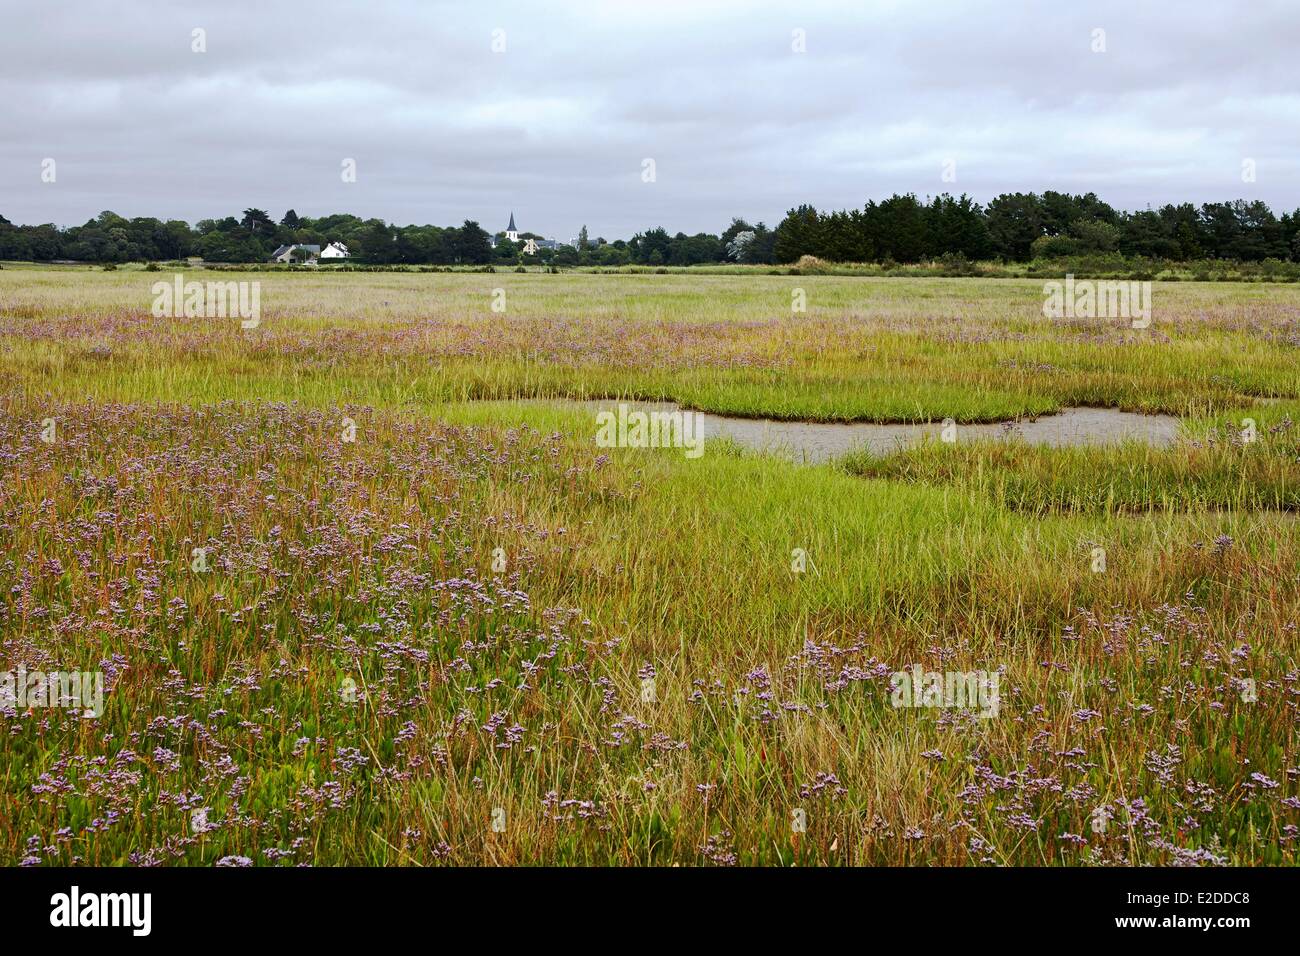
<point x="335" y="250"/>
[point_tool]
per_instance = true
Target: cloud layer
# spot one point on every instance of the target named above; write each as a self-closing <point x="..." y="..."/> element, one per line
<point x="556" y="127"/>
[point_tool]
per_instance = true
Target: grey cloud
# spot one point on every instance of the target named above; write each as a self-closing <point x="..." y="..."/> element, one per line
<point x="555" y="128"/>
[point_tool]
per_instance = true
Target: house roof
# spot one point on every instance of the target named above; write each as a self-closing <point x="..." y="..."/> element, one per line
<point x="313" y="249"/>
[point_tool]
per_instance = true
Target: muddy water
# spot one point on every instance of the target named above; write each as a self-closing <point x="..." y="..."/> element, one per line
<point x="816" y="442"/>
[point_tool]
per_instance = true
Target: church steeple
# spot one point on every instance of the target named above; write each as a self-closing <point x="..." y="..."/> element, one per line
<point x="511" y="227"/>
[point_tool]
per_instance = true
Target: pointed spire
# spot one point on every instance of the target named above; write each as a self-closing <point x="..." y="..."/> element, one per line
<point x="511" y="227"/>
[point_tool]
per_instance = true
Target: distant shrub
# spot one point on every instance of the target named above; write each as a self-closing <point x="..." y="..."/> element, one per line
<point x="956" y="264"/>
<point x="1054" y="247"/>
<point x="812" y="266"/>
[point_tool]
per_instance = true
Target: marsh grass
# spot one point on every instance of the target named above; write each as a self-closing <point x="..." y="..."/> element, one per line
<point x="866" y="350"/>
<point x="1216" y="471"/>
<point x="521" y="690"/>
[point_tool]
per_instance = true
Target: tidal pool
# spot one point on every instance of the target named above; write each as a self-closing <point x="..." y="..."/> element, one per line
<point x="821" y="441"/>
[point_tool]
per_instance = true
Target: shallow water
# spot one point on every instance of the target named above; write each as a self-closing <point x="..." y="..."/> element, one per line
<point x="816" y="441"/>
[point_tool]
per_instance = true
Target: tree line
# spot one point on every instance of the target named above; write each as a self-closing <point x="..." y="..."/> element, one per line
<point x="1021" y="227"/>
<point x="250" y="237"/>
<point x="1013" y="227"/>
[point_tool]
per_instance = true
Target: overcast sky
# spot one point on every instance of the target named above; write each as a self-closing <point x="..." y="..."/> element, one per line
<point x="557" y="126"/>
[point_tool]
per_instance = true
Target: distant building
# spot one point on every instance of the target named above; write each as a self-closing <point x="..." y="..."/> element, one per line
<point x="285" y="253"/>
<point x="531" y="246"/>
<point x="335" y="250"/>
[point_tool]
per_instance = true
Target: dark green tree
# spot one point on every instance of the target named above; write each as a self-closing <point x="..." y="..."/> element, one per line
<point x="472" y="244"/>
<point x="799" y="234"/>
<point x="256" y="220"/>
<point x="1014" y="221"/>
